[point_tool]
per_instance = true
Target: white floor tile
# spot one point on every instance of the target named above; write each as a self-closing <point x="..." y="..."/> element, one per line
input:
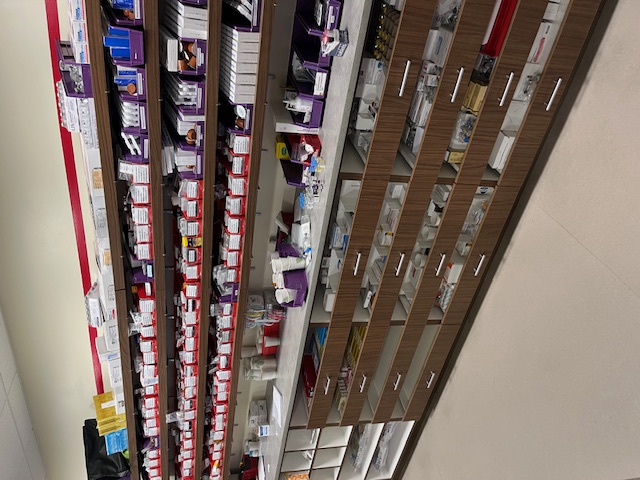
<point x="590" y="184"/>
<point x="550" y="351"/>
<point x="11" y="454"/>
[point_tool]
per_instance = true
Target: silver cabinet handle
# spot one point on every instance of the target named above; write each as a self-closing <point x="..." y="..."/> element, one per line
<point x="400" y="264"/>
<point x="455" y="89"/>
<point x="443" y="256"/>
<point x="553" y="94"/>
<point x="364" y="382"/>
<point x="476" y="270"/>
<point x="355" y="269"/>
<point x="367" y="300"/>
<point x="326" y="385"/>
<point x="407" y="65"/>
<point x="431" y="378"/>
<point x="506" y="89"/>
<point x="396" y="384"/>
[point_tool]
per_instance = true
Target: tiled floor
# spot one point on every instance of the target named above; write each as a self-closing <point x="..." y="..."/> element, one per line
<point x="547" y="384"/>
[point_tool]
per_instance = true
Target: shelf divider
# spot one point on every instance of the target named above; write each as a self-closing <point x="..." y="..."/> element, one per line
<point x="152" y="68"/>
<point x="208" y="210"/>
<point x="262" y="79"/>
<point x="107" y="160"/>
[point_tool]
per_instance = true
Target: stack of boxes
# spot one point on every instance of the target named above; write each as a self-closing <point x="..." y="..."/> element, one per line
<point x="345" y="377"/>
<point x="78" y="116"/>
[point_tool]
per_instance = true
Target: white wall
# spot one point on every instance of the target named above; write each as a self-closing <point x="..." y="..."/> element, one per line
<point x="41" y="293"/>
<point x="19" y="454"/>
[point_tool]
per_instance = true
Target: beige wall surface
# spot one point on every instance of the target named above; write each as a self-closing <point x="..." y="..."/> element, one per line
<point x="40" y="288"/>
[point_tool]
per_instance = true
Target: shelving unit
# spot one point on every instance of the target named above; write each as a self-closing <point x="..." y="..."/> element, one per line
<point x="418" y="172"/>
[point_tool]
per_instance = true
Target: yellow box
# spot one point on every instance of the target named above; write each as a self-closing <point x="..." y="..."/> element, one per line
<point x="474" y="97"/>
<point x="454" y="157"/>
<point x="282" y="151"/>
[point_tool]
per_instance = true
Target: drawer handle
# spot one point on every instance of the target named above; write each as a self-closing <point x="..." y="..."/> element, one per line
<point x="400" y="264"/>
<point x="355" y="269"/>
<point x="367" y="300"/>
<point x="553" y="94"/>
<point x="443" y="256"/>
<point x="455" y="89"/>
<point x="396" y="384"/>
<point x="431" y="378"/>
<point x="407" y="65"/>
<point x="476" y="270"/>
<point x="327" y="385"/>
<point x="364" y="382"/>
<point x="506" y="89"/>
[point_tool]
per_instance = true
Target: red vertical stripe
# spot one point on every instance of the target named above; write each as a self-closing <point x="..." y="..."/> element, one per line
<point x="72" y="184"/>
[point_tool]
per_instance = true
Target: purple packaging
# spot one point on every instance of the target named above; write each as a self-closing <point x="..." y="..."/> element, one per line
<point x="136" y="42"/>
<point x="318" y="16"/>
<point x="187" y="93"/>
<point x="236" y="117"/>
<point x="308" y="47"/>
<point x="76" y="77"/>
<point x="242" y="19"/>
<point x="133" y="115"/>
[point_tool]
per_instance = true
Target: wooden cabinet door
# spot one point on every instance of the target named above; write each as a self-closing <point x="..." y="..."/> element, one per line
<point x="550" y="90"/>
<point x="431" y="373"/>
<point x="481" y="253"/>
<point x="505" y="77"/>
<point x="453" y="219"/>
<point x="405" y="62"/>
<point x="467" y="40"/>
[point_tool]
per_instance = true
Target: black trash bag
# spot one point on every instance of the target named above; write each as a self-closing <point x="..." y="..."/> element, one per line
<point x="101" y="466"/>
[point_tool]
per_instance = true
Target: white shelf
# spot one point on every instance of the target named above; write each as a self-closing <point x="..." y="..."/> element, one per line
<point x="334" y="437"/>
<point x="329" y="458"/>
<point x="319" y="316"/>
<point x="366" y="416"/>
<point x="302" y="440"/>
<point x="295" y="461"/>
<point x="354" y="159"/>
<point x="417" y="364"/>
<point x="349" y="472"/>
<point x="325" y="474"/>
<point x="396" y="447"/>
<point x="299" y="414"/>
<point x="283" y="123"/>
<point x="384" y="365"/>
<point x="344" y="72"/>
<point x="399" y="312"/>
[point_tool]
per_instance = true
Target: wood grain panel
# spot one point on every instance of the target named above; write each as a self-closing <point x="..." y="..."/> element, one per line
<point x="578" y="23"/>
<point x="152" y="68"/>
<point x="262" y="79"/>
<point x="321" y="403"/>
<point x="490" y="230"/>
<point x="214" y="23"/>
<point x="101" y="93"/>
<point x="435" y="362"/>
<point x="107" y="161"/>
<point x="401" y="362"/>
<point x="127" y="379"/>
<point x="523" y="31"/>
<point x="468" y="38"/>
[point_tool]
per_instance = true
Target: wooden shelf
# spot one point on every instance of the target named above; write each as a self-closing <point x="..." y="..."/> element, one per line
<point x="262" y="78"/>
<point x="107" y="159"/>
<point x="208" y="211"/>
<point x="152" y="69"/>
